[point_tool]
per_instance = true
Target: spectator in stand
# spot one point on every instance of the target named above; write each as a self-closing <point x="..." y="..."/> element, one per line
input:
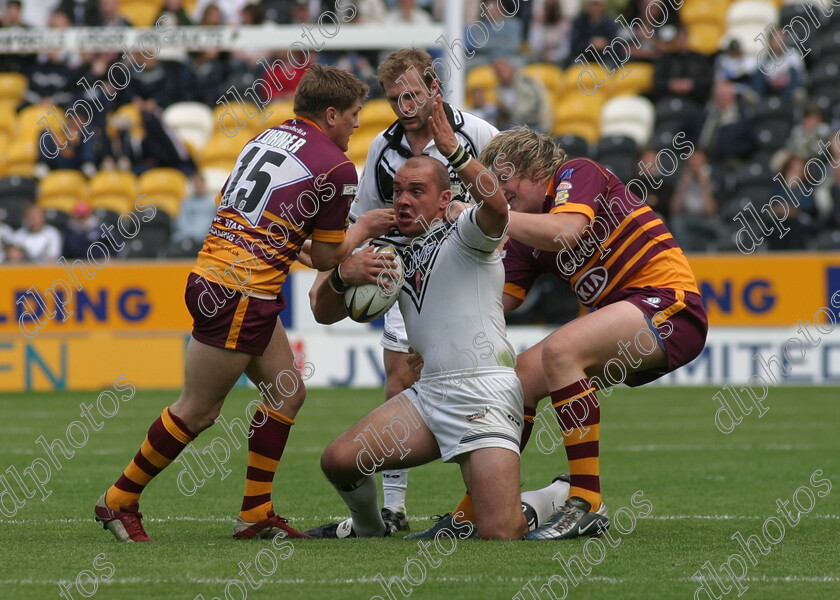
<point x="211" y="16"/>
<point x="109" y="15"/>
<point x="735" y="65"/>
<point x="680" y="71"/>
<point x="520" y="100"/>
<point x="175" y="12"/>
<point x="659" y="187"/>
<point x="806" y="137"/>
<point x="230" y="10"/>
<point x="481" y="107"/>
<point x="6" y="239"/>
<point x="157" y="146"/>
<point x="82" y="13"/>
<point x="284" y="78"/>
<point x="648" y="18"/>
<point x="724" y="129"/>
<point x="549" y="34"/>
<point x="40" y="242"/>
<point x="209" y="72"/>
<point x="163" y="83"/>
<point x="594" y="26"/>
<point x="407" y="11"/>
<point x="82" y="231"/>
<point x="801" y="214"/>
<point x="79" y="154"/>
<point x="370" y="11"/>
<point x="37" y="14"/>
<point x="693" y="210"/>
<point x="252" y="14"/>
<point x="51" y="81"/>
<point x="780" y="69"/>
<point x="196" y="213"/>
<point x="17" y="63"/>
<point x="504" y="42"/>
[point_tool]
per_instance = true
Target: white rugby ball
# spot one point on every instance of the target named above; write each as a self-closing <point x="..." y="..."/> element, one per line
<point x="369" y="301"/>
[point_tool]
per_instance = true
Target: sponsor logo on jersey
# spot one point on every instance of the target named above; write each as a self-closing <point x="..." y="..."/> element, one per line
<point x="591" y="284"/>
<point x="513" y="420"/>
<point x="350" y="190"/>
<point x="653" y="301"/>
<point x="567" y="173"/>
<point x="477" y="415"/>
<point x="564" y="185"/>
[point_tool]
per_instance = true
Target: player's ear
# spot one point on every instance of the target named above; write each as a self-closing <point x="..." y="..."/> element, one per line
<point x="444" y="199"/>
<point x="330" y="115"/>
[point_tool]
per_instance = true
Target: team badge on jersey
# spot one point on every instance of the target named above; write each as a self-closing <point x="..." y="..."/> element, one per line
<point x="567" y="173"/>
<point x="561" y="198"/>
<point x="349" y="190"/>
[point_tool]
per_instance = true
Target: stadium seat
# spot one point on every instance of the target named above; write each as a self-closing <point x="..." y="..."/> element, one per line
<point x="214" y="179"/>
<point x="619" y="154"/>
<point x="376" y="114"/>
<point x="574" y="146"/>
<point x="754" y="13"/>
<point x="165" y="188"/>
<point x="360" y="143"/>
<point x="705" y="37"/>
<point x="220" y="152"/>
<point x="704" y="12"/>
<point x="631" y="116"/>
<point x="772" y="134"/>
<point x="113" y="190"/>
<point x="829" y="45"/>
<point x="550" y="75"/>
<point x="21" y="158"/>
<point x="483" y="76"/>
<point x="243" y="123"/>
<point x="183" y="249"/>
<point x="638" y="80"/>
<point x="746" y="35"/>
<point x="148" y="243"/>
<point x="281" y="111"/>
<point x="12" y="88"/>
<point x="578" y="114"/>
<point x="128" y="113"/>
<point x="57" y="217"/>
<point x="16" y="193"/>
<point x="141" y="13"/>
<point x="192" y="121"/>
<point x="29" y="126"/>
<point x="62" y="189"/>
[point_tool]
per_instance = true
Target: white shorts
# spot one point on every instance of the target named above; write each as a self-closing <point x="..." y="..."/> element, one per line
<point x="471" y="409"/>
<point x="394" y="337"/>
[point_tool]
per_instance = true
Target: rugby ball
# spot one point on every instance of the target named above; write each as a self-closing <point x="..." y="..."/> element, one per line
<point x="368" y="302"/>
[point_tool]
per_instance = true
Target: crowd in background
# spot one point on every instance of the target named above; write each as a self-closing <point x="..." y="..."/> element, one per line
<point x="722" y="98"/>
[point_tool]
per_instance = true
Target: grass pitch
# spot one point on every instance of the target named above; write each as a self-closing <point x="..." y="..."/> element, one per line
<point x="702" y="486"/>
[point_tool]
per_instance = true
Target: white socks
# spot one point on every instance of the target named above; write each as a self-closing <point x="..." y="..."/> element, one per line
<point x="547" y="500"/>
<point x="360" y="498"/>
<point x="394" y="485"/>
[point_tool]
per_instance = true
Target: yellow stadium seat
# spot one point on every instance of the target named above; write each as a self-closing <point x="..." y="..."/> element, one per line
<point x="165" y="188"/>
<point x="141" y="13"/>
<point x="113" y="190"/>
<point x="128" y="113"/>
<point x="360" y="143"/>
<point x="243" y="124"/>
<point x="579" y="108"/>
<point x="704" y="37"/>
<point x="12" y="88"/>
<point x="21" y="158"/>
<point x="281" y="111"/>
<point x="220" y="152"/>
<point x="594" y="83"/>
<point x="30" y="127"/>
<point x="62" y="188"/>
<point x="704" y="11"/>
<point x="376" y="114"/>
<point x="483" y="76"/>
<point x="550" y="75"/>
<point x="638" y="80"/>
<point x="7" y="122"/>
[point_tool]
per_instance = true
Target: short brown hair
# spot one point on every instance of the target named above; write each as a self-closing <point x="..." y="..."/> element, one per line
<point x="400" y="61"/>
<point x="533" y="155"/>
<point x="440" y="174"/>
<point x="324" y="86"/>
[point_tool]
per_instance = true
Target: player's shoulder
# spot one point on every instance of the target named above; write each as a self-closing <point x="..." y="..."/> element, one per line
<point x="473" y="124"/>
<point x="577" y="167"/>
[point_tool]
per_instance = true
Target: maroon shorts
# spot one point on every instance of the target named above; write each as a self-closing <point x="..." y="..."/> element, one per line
<point x="678" y="322"/>
<point x="227" y="318"/>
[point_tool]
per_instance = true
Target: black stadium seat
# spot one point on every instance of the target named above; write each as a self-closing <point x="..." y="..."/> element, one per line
<point x="16" y="193"/>
<point x="575" y="147"/>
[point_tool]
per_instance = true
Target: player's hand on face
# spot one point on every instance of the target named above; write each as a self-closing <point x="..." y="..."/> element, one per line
<point x="415" y="361"/>
<point x="367" y="266"/>
<point x="445" y="139"/>
<point x="377" y="222"/>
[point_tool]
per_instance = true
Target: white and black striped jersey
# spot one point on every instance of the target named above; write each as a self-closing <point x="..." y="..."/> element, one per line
<point x="389" y="151"/>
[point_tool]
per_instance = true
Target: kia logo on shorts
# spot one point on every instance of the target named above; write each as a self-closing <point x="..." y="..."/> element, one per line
<point x="591" y="284"/>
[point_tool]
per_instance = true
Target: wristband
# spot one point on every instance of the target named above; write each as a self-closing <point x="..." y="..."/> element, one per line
<point x="338" y="285"/>
<point x="459" y="159"/>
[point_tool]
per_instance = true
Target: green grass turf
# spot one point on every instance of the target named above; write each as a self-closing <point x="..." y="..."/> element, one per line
<point x="659" y="440"/>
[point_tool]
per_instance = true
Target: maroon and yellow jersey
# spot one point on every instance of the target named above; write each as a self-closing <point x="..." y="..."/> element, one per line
<point x="290" y="183"/>
<point x="624" y="244"/>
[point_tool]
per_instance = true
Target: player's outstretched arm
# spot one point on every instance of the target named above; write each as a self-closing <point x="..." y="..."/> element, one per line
<point x="327" y="294"/>
<point x="492" y="212"/>
<point x="326" y="256"/>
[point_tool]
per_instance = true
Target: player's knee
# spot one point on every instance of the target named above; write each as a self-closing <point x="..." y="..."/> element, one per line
<point x="334" y="463"/>
<point x="557" y="354"/>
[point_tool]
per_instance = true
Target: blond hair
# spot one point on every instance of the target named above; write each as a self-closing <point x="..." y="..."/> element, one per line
<point x="533" y="155"/>
<point x="324" y="86"/>
<point x="400" y="61"/>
